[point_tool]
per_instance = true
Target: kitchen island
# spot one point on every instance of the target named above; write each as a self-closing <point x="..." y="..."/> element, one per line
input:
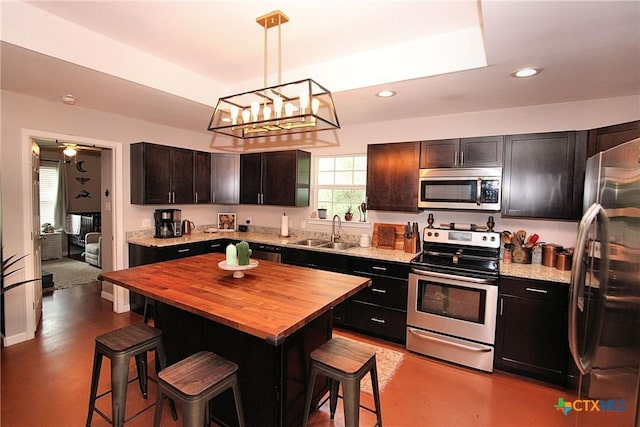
<point x="268" y="322"/>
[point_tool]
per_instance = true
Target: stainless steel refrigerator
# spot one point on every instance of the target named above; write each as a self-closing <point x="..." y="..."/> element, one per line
<point x="604" y="311"/>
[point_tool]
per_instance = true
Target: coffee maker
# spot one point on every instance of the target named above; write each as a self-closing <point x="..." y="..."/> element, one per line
<point x="168" y="223"/>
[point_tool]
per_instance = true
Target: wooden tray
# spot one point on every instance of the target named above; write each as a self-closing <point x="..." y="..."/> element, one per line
<point x="383" y="241"/>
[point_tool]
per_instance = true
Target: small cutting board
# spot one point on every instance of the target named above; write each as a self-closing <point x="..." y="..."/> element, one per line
<point x="388" y="236"/>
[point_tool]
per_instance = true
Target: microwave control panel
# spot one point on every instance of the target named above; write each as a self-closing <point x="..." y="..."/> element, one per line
<point x="490" y="192"/>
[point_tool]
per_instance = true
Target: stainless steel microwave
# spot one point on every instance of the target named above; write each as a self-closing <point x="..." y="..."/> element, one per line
<point x="460" y="188"/>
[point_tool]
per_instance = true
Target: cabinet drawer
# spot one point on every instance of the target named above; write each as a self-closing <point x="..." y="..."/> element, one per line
<point x="178" y="251"/>
<point x="536" y="289"/>
<point x="371" y="267"/>
<point x="386" y="292"/>
<point x="379" y="321"/>
<point x="210" y="246"/>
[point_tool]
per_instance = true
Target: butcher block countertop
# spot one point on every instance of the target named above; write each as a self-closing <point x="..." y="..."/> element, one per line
<point x="271" y="301"/>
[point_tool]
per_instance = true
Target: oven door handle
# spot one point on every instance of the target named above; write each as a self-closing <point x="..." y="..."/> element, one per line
<point x="452" y="276"/>
<point x="469" y="347"/>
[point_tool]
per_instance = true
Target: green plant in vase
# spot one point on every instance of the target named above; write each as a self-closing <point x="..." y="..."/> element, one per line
<point x="348" y="216"/>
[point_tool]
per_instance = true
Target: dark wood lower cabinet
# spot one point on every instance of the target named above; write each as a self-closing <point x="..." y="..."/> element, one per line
<point x="531" y="330"/>
<point x="273" y="378"/>
<point x="379" y="310"/>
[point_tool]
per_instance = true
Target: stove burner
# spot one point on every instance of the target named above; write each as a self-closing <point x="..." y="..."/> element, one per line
<point x="464" y="253"/>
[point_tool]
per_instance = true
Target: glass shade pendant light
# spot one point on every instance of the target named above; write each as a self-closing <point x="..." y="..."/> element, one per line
<point x="69" y="150"/>
<point x="296" y="107"/>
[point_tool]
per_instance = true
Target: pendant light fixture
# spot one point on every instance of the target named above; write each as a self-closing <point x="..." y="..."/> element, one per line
<point x="301" y="106"/>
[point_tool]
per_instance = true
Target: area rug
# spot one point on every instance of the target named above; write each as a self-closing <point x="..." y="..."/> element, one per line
<point x="388" y="361"/>
<point x="68" y="272"/>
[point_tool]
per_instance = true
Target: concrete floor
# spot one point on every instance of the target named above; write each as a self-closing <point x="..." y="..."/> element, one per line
<point x="45" y="381"/>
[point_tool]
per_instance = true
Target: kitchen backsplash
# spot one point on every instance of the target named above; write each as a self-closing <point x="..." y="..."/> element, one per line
<point x="267" y="219"/>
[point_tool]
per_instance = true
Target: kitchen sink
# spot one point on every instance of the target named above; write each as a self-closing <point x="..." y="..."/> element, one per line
<point x="311" y="242"/>
<point x="337" y="245"/>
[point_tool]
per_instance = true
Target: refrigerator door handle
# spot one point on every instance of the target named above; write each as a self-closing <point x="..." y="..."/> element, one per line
<point x="577" y="287"/>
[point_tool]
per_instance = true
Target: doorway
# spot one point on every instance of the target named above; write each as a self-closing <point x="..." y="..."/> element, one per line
<point x="70" y="181"/>
<point x="112" y="218"/>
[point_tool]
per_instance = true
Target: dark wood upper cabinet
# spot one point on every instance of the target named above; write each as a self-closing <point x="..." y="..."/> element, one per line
<point x="281" y="178"/>
<point x="544" y="175"/>
<point x="225" y="178"/>
<point x="201" y="177"/>
<point x="485" y="151"/>
<point x="392" y="176"/>
<point x="602" y="139"/>
<point x="158" y="174"/>
<point x="162" y="175"/>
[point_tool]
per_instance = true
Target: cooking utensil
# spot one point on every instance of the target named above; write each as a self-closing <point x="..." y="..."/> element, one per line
<point x="515" y="241"/>
<point x="521" y="235"/>
<point x="506" y="237"/>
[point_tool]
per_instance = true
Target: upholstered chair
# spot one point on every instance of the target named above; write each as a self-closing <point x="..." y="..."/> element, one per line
<point x="93" y="249"/>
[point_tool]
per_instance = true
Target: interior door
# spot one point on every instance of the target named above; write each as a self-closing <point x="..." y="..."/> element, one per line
<point x="35" y="232"/>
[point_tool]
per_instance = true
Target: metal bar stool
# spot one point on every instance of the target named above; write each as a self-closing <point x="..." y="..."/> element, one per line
<point x="119" y="346"/>
<point x="195" y="381"/>
<point x="347" y="362"/>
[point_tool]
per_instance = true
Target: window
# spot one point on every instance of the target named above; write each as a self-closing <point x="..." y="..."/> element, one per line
<point x="48" y="192"/>
<point x="341" y="184"/>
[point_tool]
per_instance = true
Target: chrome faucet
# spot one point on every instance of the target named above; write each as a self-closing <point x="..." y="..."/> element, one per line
<point x="335" y="237"/>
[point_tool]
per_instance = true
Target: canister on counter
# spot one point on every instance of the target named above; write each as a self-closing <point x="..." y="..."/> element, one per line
<point x="536" y="255"/>
<point x="550" y="254"/>
<point x="563" y="260"/>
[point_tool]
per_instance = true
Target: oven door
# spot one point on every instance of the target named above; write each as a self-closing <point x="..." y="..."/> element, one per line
<point x="457" y="306"/>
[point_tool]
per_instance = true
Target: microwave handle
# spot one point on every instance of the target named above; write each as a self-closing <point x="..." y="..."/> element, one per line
<point x="478" y="191"/>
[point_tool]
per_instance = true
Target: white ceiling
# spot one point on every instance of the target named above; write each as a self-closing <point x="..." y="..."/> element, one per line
<point x="169" y="61"/>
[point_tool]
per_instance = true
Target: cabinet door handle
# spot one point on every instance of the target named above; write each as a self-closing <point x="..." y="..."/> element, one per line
<point x="375" y="319"/>
<point x="380" y="291"/>
<point x="181" y="251"/>
<point x="501" y="305"/>
<point x="375" y="267"/>
<point x="540" y="291"/>
<point x="196" y="197"/>
<point x="169" y="197"/>
<point x="461" y="158"/>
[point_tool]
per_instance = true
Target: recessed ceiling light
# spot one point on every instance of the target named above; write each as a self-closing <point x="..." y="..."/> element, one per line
<point x="69" y="99"/>
<point x="386" y="93"/>
<point x="526" y="72"/>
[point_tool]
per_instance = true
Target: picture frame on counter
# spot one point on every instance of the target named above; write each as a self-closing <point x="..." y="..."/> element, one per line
<point x="226" y="221"/>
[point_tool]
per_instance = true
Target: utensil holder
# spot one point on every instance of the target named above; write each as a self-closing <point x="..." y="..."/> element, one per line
<point x="521" y="255"/>
<point x="410" y="245"/>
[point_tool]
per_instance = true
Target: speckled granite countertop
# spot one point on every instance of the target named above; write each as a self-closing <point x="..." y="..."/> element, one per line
<point x="524" y="271"/>
<point x="273" y="239"/>
<point x="535" y="272"/>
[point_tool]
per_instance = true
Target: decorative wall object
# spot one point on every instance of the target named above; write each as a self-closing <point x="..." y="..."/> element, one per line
<point x="83" y="182"/>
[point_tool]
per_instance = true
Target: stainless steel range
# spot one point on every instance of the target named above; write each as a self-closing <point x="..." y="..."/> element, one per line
<point x="453" y="297"/>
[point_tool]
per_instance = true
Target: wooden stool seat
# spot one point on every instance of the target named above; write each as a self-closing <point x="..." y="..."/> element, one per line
<point x="119" y="346"/>
<point x="344" y="362"/>
<point x="195" y="381"/>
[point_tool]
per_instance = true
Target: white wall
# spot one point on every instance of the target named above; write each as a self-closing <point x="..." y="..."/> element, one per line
<point x="24" y="112"/>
